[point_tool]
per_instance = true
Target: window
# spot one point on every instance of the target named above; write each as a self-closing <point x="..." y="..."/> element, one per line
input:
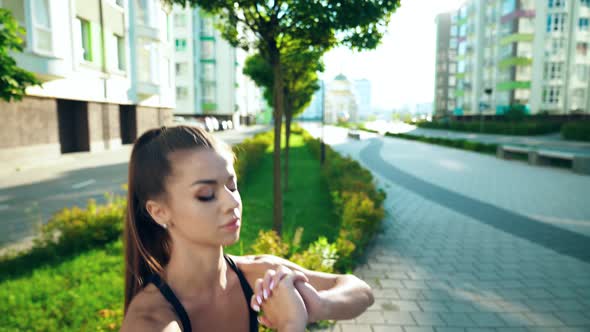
<point x="180" y="45"/>
<point x="181" y="68"/>
<point x="179" y="20"/>
<point x="181" y="92"/>
<point x="42" y="26"/>
<point x="207" y="27"/>
<point x="585" y="3"/>
<point x="553" y="70"/>
<point x="582" y="48"/>
<point x="584" y="24"/>
<point x="583" y="72"/>
<point x="556" y="46"/>
<point x="117" y="51"/>
<point x="556" y="3"/>
<point x="551" y="94"/>
<point x="556" y="22"/>
<point x="83" y="31"/>
<point x="207" y="49"/>
<point x="209" y="93"/>
<point x="148" y="61"/>
<point x="208" y="72"/>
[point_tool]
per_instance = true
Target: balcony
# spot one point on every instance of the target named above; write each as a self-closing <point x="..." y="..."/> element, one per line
<point x="146" y="89"/>
<point x="514" y="61"/>
<point x="517" y="37"/>
<point x="513" y="85"/>
<point x="517" y="14"/>
<point x="46" y="68"/>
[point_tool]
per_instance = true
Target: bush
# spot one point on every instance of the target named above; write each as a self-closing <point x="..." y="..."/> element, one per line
<point x="454" y="143"/>
<point x="515" y="126"/>
<point x="579" y="130"/>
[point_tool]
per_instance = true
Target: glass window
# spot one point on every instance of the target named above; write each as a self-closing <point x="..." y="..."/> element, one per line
<point x="582" y="48"/>
<point x="179" y="20"/>
<point x="83" y="31"/>
<point x="553" y="70"/>
<point x="208" y="72"/>
<point x="42" y="25"/>
<point x="584" y="24"/>
<point x="207" y="27"/>
<point x="181" y="68"/>
<point x="181" y="92"/>
<point x="180" y="45"/>
<point x="585" y="3"/>
<point x="556" y="3"/>
<point x="551" y="94"/>
<point x="208" y="93"/>
<point x="582" y="72"/>
<point x="207" y="49"/>
<point x="556" y="22"/>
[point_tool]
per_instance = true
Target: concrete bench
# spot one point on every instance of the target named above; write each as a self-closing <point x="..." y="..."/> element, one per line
<point x="354" y="134"/>
<point x="580" y="162"/>
<point x="509" y="151"/>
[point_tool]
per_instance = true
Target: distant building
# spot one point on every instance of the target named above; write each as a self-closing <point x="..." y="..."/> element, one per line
<point x="341" y="103"/>
<point x="205" y="65"/>
<point x="314" y="110"/>
<point x="529" y="52"/>
<point x="363" y="96"/>
<point x="445" y="65"/>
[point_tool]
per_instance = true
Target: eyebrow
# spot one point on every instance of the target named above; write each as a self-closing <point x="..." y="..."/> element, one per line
<point x="210" y="181"/>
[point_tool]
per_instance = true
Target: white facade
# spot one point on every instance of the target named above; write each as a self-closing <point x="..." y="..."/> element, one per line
<point x="205" y="65"/>
<point x="250" y="98"/>
<point x="67" y="50"/>
<point x="341" y="103"/>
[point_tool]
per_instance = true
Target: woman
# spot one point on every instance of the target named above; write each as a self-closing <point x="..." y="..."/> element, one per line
<point x="183" y="208"/>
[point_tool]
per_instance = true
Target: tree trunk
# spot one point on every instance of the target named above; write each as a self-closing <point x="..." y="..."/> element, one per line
<point x="288" y="118"/>
<point x="278" y="117"/>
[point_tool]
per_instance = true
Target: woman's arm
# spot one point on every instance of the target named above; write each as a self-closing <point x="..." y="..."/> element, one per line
<point x="326" y="295"/>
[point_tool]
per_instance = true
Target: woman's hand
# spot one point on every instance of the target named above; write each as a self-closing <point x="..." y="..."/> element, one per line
<point x="283" y="306"/>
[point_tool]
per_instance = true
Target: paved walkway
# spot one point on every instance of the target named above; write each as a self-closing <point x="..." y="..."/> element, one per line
<point x="473" y="243"/>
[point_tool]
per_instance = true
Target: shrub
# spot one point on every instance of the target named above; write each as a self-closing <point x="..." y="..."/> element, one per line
<point x="579" y="130"/>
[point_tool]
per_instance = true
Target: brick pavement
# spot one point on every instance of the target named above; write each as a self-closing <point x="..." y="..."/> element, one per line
<point x="436" y="268"/>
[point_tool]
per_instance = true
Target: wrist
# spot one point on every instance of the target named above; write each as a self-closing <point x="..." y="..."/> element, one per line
<point x="323" y="310"/>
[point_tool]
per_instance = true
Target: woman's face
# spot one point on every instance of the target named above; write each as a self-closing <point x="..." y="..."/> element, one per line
<point x="203" y="198"/>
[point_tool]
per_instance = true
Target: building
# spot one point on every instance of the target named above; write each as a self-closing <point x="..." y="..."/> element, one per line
<point x="205" y="66"/>
<point x="341" y="103"/>
<point x="93" y="96"/>
<point x="445" y="65"/>
<point x="315" y="108"/>
<point x="516" y="52"/>
<point x="362" y="90"/>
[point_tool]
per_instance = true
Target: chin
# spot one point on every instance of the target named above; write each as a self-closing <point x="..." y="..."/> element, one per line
<point x="231" y="240"/>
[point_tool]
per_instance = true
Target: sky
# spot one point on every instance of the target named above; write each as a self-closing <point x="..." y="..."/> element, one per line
<point x="401" y="69"/>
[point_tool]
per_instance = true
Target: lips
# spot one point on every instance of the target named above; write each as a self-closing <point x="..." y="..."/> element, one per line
<point x="232" y="223"/>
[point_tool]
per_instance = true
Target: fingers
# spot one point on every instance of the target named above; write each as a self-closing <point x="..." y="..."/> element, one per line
<point x="264" y="321"/>
<point x="256" y="300"/>
<point x="268" y="281"/>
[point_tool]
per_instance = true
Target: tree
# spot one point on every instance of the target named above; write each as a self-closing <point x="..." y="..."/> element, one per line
<point x="269" y="26"/>
<point x="13" y="80"/>
<point x="300" y="81"/>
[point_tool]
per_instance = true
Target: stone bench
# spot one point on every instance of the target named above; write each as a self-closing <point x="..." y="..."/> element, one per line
<point x="580" y="162"/>
<point x="354" y="134"/>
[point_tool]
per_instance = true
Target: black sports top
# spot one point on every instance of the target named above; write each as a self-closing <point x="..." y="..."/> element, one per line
<point x="184" y="320"/>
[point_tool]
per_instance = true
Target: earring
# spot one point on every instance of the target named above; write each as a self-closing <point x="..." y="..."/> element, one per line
<point x="165" y="226"/>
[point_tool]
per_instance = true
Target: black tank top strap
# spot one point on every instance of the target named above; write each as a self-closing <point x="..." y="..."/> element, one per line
<point x="173" y="300"/>
<point x="247" y="290"/>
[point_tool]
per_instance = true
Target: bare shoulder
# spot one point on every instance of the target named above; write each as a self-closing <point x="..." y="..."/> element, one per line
<point x="150" y="312"/>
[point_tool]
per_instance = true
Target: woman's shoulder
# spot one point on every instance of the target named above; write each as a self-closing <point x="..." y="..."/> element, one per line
<point x="149" y="311"/>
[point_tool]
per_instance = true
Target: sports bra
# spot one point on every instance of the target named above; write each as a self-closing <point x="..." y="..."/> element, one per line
<point x="181" y="312"/>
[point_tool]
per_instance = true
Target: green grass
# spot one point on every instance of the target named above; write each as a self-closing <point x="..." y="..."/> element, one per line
<point x="307" y="203"/>
<point x="85" y="292"/>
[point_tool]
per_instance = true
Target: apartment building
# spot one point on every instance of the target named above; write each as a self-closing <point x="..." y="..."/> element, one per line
<point x="526" y="52"/>
<point x="205" y="65"/>
<point x="106" y="68"/>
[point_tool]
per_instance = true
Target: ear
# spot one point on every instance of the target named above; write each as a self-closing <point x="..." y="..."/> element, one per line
<point x="159" y="212"/>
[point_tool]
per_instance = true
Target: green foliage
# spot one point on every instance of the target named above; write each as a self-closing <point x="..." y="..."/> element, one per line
<point x="454" y="143"/>
<point x="578" y="130"/>
<point x="516" y="124"/>
<point x="319" y="256"/>
<point x="13" y="80"/>
<point x="270" y="243"/>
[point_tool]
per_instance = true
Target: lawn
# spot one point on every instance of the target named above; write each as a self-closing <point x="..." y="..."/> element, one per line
<point x="85" y="292"/>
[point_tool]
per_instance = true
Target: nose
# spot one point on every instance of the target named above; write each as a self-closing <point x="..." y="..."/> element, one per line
<point x="232" y="200"/>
